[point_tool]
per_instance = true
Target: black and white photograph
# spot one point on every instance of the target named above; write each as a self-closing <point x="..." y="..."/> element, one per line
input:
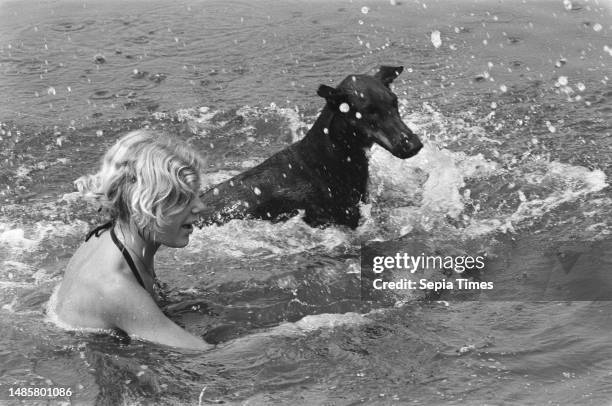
<point x="306" y="202"/>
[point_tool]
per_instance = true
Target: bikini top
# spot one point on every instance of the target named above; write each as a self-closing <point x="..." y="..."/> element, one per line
<point x="128" y="258"/>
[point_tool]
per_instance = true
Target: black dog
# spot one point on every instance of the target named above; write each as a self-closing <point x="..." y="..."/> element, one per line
<point x="326" y="173"/>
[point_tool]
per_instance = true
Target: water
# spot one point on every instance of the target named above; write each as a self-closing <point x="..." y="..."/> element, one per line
<point x="512" y="101"/>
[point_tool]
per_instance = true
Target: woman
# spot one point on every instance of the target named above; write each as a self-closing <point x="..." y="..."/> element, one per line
<point x="149" y="185"/>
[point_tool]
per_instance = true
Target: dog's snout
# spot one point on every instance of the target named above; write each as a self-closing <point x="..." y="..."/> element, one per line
<point x="413" y="143"/>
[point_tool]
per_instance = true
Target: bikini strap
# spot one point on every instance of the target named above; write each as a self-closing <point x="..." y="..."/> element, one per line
<point x="127" y="256"/>
<point x="99" y="230"/>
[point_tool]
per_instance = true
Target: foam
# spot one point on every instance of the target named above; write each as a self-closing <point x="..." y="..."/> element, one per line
<point x="260" y="236"/>
<point x="199" y="119"/>
<point x="327" y="321"/>
<point x="426" y="189"/>
<point x="15" y="238"/>
<point x="579" y="180"/>
<point x="569" y="183"/>
<point x="421" y="191"/>
<point x="296" y="125"/>
<point x="296" y="122"/>
<point x="307" y="325"/>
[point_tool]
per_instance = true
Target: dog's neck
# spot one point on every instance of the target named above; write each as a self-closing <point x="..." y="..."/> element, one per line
<point x="334" y="149"/>
<point x="333" y="136"/>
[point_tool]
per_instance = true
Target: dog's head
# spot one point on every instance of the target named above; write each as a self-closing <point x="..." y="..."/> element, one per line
<point x="370" y="106"/>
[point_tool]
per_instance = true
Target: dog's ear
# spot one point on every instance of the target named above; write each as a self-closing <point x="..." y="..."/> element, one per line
<point x="330" y="94"/>
<point x="387" y="74"/>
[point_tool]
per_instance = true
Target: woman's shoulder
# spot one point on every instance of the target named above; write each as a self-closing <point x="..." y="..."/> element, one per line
<point x="93" y="281"/>
<point x="95" y="259"/>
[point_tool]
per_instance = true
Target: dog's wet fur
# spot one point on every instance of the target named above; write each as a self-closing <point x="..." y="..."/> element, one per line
<point x="326" y="173"/>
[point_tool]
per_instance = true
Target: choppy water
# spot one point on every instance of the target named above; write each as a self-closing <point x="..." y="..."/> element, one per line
<point x="514" y="105"/>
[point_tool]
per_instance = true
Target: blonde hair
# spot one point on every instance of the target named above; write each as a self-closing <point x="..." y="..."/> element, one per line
<point x="145" y="176"/>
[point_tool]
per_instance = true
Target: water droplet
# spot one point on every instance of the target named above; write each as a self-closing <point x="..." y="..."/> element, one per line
<point x="597" y="27"/>
<point x="365" y="10"/>
<point x="435" y="39"/>
<point x="344" y="108"/>
<point x="562" y="81"/>
<point x="99" y="59"/>
<point x="503" y="88"/>
<point x="561" y="62"/>
<point x="358" y="115"/>
<point x="325" y="131"/>
<point x="256" y="190"/>
<point x="99" y="133"/>
<point x="51" y="91"/>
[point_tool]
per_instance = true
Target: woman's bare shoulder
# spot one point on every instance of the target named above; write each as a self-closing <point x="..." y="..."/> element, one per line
<point x="92" y="282"/>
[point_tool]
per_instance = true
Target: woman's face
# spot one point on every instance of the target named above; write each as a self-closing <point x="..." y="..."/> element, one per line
<point x="180" y="225"/>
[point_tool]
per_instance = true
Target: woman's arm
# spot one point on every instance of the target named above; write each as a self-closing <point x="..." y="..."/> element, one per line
<point x="135" y="312"/>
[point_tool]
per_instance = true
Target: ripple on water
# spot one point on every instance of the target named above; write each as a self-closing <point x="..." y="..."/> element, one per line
<point x="140" y="40"/>
<point x="102" y="94"/>
<point x="69" y="26"/>
<point x="32" y="66"/>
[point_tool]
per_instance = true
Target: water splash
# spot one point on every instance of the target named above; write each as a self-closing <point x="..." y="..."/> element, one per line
<point x="264" y="239"/>
<point x="423" y="192"/>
